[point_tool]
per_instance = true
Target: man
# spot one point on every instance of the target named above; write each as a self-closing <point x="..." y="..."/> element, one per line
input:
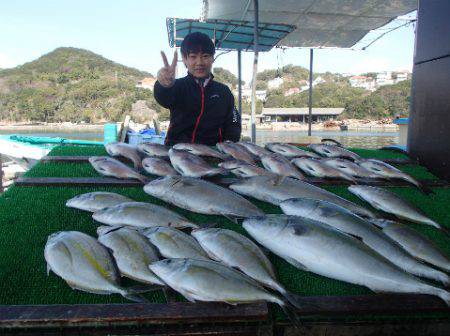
<point x="201" y="109"/>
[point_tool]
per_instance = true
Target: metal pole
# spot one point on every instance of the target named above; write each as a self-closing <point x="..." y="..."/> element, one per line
<point x="310" y="90"/>
<point x="239" y="84"/>
<point x="255" y="70"/>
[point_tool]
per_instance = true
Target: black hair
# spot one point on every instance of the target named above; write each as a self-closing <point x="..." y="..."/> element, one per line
<point x="197" y="42"/>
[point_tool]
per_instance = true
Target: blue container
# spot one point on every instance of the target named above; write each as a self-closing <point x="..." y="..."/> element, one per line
<point x="110" y="133"/>
<point x="135" y="138"/>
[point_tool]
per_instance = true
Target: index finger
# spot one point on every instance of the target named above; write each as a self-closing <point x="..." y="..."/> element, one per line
<point x="175" y="59"/>
<point x="166" y="63"/>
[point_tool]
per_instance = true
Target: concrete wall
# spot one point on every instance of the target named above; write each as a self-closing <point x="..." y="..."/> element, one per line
<point x="429" y="122"/>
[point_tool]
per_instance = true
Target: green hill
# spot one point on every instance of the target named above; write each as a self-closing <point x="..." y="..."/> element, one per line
<point x="70" y="84"/>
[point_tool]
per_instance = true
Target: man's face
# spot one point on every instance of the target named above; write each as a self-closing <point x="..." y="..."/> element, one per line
<point x="199" y="64"/>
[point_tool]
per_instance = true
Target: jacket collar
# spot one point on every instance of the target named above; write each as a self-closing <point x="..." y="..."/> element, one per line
<point x="203" y="81"/>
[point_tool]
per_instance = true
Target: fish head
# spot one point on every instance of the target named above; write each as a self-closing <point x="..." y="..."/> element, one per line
<point x="75" y="201"/>
<point x="357" y="190"/>
<point x="300" y="206"/>
<point x="264" y="227"/>
<point x="160" y="185"/>
<point x="244" y="186"/>
<point x="167" y="267"/>
<point x="204" y="233"/>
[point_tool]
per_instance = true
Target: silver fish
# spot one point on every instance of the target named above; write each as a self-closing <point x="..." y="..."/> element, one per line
<point x="316" y="247"/>
<point x="199" y="149"/>
<point x="153" y="149"/>
<point x="333" y="151"/>
<point x="349" y="168"/>
<point x="141" y="214"/>
<point x="96" y="200"/>
<point x="317" y="168"/>
<point x="237" y="151"/>
<point x="157" y="166"/>
<point x="173" y="243"/>
<point x="243" y="169"/>
<point x="274" y="191"/>
<point x="391" y="203"/>
<point x="254" y="148"/>
<point x="289" y="150"/>
<point x="84" y="264"/>
<point x="191" y="165"/>
<point x="126" y="150"/>
<point x="387" y="171"/>
<point x="201" y="196"/>
<point x="200" y="280"/>
<point x="111" y="167"/>
<point x="417" y="244"/>
<point x="345" y="221"/>
<point x="236" y="250"/>
<point x="132" y="252"/>
<point x="278" y="164"/>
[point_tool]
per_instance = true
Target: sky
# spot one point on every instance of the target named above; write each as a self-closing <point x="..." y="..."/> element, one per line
<point x="133" y="32"/>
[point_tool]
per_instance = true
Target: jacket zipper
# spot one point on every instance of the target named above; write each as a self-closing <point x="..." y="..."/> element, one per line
<point x="200" y="115"/>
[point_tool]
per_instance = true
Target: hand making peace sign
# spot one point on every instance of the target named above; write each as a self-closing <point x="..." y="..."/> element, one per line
<point x="166" y="75"/>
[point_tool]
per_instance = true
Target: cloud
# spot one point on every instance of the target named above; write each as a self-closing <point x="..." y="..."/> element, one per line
<point x="6" y="61"/>
<point x="378" y="64"/>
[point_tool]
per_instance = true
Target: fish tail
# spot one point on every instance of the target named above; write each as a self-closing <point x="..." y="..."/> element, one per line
<point x="291" y="314"/>
<point x="135" y="297"/>
<point x="444" y="295"/>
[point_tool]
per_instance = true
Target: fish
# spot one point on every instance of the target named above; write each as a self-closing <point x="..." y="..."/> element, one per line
<point x="159" y="167"/>
<point x="346" y="221"/>
<point x="191" y="165"/>
<point x="317" y="168"/>
<point x="315" y="247"/>
<point x="153" y="149"/>
<point x="237" y="151"/>
<point x="289" y="150"/>
<point x="126" y="150"/>
<point x="238" y="251"/>
<point x="273" y="190"/>
<point x="350" y="168"/>
<point x="210" y="281"/>
<point x="333" y="151"/>
<point x="173" y="243"/>
<point x="201" y="196"/>
<point x="278" y="164"/>
<point x="141" y="214"/>
<point x="416" y="244"/>
<point x="243" y="169"/>
<point x="389" y="202"/>
<point x="199" y="149"/>
<point x="96" y="200"/>
<point x="85" y="264"/>
<point x="132" y="252"/>
<point x="110" y="167"/>
<point x="387" y="171"/>
<point x="256" y="150"/>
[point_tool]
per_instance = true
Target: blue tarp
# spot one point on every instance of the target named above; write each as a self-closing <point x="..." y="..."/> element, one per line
<point x="228" y="34"/>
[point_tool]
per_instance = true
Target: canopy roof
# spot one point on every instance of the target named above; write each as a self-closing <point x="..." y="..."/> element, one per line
<point x="228" y="34"/>
<point x="319" y="23"/>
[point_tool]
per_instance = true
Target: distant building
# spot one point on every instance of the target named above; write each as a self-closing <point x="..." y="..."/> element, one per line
<point x="275" y="83"/>
<point x="318" y="80"/>
<point x="260" y="94"/>
<point x="291" y="91"/>
<point x="363" y="82"/>
<point x="295" y="114"/>
<point x="401" y="76"/>
<point x="384" y="78"/>
<point x="146" y="83"/>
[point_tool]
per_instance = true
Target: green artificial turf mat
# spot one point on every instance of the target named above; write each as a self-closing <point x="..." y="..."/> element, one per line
<point x="28" y="215"/>
<point x="77" y="150"/>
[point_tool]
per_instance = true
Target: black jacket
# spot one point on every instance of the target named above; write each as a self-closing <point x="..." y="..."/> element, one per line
<point x="199" y="113"/>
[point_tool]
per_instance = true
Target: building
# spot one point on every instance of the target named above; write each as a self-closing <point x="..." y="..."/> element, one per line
<point x="384" y="78"/>
<point x="275" y="83"/>
<point x="300" y="114"/>
<point x="318" y="80"/>
<point x="260" y="94"/>
<point x="146" y="83"/>
<point x="401" y="76"/>
<point x="291" y="91"/>
<point x="363" y="82"/>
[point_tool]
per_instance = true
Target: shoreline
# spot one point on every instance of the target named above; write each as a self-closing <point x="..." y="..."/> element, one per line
<point x="276" y="126"/>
